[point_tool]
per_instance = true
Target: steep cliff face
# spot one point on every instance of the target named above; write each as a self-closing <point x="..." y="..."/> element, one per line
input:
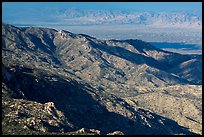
<point x="57" y="82"/>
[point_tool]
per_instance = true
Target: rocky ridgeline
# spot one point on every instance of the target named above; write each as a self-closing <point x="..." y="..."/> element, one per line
<point x="57" y="82"/>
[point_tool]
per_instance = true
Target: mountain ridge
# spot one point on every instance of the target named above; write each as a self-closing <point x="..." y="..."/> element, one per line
<point x="76" y="71"/>
<point x="180" y="19"/>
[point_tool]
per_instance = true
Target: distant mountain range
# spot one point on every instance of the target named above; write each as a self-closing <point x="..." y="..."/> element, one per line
<point x="75" y="16"/>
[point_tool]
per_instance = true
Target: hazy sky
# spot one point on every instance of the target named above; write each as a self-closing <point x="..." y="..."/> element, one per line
<point x="19" y="12"/>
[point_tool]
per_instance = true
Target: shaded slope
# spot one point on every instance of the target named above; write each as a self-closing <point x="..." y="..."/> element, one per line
<point x="75" y="106"/>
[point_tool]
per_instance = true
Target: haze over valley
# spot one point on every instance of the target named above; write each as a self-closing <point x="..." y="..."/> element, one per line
<point x="171" y="27"/>
<point x="101" y="72"/>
